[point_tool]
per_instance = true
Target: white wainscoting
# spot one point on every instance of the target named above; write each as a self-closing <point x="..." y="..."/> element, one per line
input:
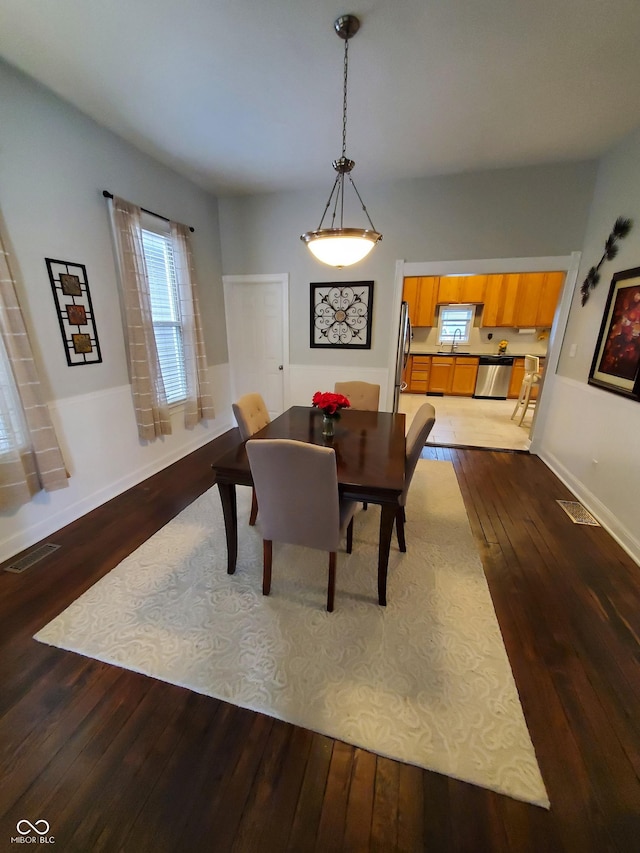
<point x="104" y="457"/>
<point x="306" y="379"/>
<point x="590" y="441"/>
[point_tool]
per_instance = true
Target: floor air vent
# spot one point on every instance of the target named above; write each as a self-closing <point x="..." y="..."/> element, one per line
<point x="28" y="560"/>
<point x="577" y="513"/>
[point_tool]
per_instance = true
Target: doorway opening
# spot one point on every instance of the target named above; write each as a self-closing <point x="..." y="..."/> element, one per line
<point x="462" y="419"/>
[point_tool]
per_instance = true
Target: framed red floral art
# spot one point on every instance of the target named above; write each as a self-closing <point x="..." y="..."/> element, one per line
<point x="616" y="361"/>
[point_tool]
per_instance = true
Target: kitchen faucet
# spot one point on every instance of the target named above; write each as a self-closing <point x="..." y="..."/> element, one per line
<point x="453" y="342"/>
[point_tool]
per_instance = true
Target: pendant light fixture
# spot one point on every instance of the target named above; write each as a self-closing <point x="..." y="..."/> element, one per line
<point x="338" y="246"/>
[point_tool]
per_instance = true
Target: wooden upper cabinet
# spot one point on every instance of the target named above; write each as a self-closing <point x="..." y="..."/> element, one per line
<point x="529" y="292"/>
<point x="462" y="288"/>
<point x="492" y="300"/>
<point x="501" y="299"/>
<point x="510" y="299"/>
<point x="420" y="292"/>
<point x="538" y="294"/>
<point x="551" y="289"/>
<point x="410" y="296"/>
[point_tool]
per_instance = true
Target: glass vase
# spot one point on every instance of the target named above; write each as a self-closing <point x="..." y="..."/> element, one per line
<point x="328" y="426"/>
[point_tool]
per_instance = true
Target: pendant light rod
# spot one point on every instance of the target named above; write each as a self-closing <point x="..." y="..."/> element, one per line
<point x="342" y="246"/>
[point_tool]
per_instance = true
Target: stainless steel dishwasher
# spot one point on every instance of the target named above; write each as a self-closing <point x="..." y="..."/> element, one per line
<point x="494" y="375"/>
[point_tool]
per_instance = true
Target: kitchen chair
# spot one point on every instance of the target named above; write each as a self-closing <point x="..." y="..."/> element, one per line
<point x="421" y="426"/>
<point x="297" y="487"/>
<point x="364" y="396"/>
<point x="251" y="415"/>
<point x="530" y="380"/>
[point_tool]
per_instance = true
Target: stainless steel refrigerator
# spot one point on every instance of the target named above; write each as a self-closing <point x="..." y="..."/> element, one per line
<point x="402" y="353"/>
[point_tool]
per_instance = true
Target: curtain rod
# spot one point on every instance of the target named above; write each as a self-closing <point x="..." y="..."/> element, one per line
<point x="107" y="194"/>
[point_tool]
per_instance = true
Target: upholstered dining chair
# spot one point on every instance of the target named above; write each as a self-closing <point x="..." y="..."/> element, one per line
<point x="251" y="415"/>
<point x="364" y="396"/>
<point x="421" y="426"/>
<point x="297" y="487"/>
<point x="530" y="380"/>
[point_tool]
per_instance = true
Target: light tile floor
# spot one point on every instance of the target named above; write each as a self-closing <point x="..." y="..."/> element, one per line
<point x="472" y="423"/>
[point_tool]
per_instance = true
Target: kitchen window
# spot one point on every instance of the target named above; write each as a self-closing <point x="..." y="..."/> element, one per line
<point x="165" y="313"/>
<point x="454" y="324"/>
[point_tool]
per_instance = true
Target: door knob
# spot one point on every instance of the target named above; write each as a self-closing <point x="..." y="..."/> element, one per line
<point x="280" y="367"/>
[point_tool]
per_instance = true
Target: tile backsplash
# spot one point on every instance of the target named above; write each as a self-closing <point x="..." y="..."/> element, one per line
<point x="425" y="339"/>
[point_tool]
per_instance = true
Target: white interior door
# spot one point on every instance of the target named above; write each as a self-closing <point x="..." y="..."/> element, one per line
<point x="257" y="317"/>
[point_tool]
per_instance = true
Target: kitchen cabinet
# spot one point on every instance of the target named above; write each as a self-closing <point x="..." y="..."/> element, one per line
<point x="451" y="375"/>
<point x="551" y="290"/>
<point x="500" y="300"/>
<point x="420" y="292"/>
<point x="463" y="381"/>
<point x="462" y="288"/>
<point x="417" y="375"/>
<point x="538" y="294"/>
<point x="441" y="374"/>
<point x="521" y="299"/>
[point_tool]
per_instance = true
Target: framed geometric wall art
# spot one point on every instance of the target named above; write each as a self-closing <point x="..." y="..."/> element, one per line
<point x="616" y="361"/>
<point x="75" y="311"/>
<point x="341" y="315"/>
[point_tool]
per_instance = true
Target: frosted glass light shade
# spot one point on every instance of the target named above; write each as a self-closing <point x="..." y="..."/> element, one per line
<point x="341" y="247"/>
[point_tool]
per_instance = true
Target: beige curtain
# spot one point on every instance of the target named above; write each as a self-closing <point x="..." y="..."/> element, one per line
<point x="199" y="402"/>
<point x="30" y="458"/>
<point x="147" y="387"/>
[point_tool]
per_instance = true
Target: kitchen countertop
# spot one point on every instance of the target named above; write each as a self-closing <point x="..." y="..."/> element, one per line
<point x="473" y="354"/>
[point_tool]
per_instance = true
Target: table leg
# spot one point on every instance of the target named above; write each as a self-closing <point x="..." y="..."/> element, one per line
<point x="387" y="517"/>
<point x="230" y="512"/>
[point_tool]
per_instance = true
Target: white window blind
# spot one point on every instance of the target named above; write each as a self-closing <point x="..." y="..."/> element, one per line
<point x="455" y="324"/>
<point x="13" y="433"/>
<point x="165" y="313"/>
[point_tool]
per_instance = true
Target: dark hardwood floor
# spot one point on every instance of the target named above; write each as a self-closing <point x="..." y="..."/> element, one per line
<point x="118" y="761"/>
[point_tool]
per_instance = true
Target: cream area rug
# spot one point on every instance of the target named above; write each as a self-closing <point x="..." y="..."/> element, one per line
<point x="424" y="680"/>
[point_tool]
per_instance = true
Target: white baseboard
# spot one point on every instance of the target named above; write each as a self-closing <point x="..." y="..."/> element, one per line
<point x="598" y="510"/>
<point x="104" y="456"/>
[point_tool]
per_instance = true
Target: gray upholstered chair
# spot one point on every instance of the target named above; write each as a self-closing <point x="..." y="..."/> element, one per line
<point x="421" y="426"/>
<point x="297" y="487"/>
<point x="251" y="415"/>
<point x="364" y="396"/>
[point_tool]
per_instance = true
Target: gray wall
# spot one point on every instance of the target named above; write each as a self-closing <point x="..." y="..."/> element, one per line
<point x="538" y="211"/>
<point x="54" y="163"/>
<point x="590" y="436"/>
<point x="617" y="193"/>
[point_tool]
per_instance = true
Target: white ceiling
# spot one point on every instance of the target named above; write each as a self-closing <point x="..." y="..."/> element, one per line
<point x="246" y="95"/>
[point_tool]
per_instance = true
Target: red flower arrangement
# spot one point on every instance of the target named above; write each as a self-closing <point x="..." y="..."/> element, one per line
<point x="329" y="403"/>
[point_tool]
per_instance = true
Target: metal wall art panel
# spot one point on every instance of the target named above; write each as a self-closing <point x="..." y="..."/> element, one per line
<point x="341" y="314"/>
<point x="75" y="311"/>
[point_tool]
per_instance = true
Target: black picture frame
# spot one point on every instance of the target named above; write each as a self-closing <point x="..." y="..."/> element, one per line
<point x="616" y="360"/>
<point x="341" y="314"/>
<point x="75" y="311"/>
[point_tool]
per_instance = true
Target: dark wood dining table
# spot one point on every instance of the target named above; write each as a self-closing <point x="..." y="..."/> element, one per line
<point x="370" y="457"/>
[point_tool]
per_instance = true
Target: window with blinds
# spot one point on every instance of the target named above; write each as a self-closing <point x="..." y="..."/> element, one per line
<point x="455" y="324"/>
<point x="165" y="313"/>
<point x="13" y="433"/>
